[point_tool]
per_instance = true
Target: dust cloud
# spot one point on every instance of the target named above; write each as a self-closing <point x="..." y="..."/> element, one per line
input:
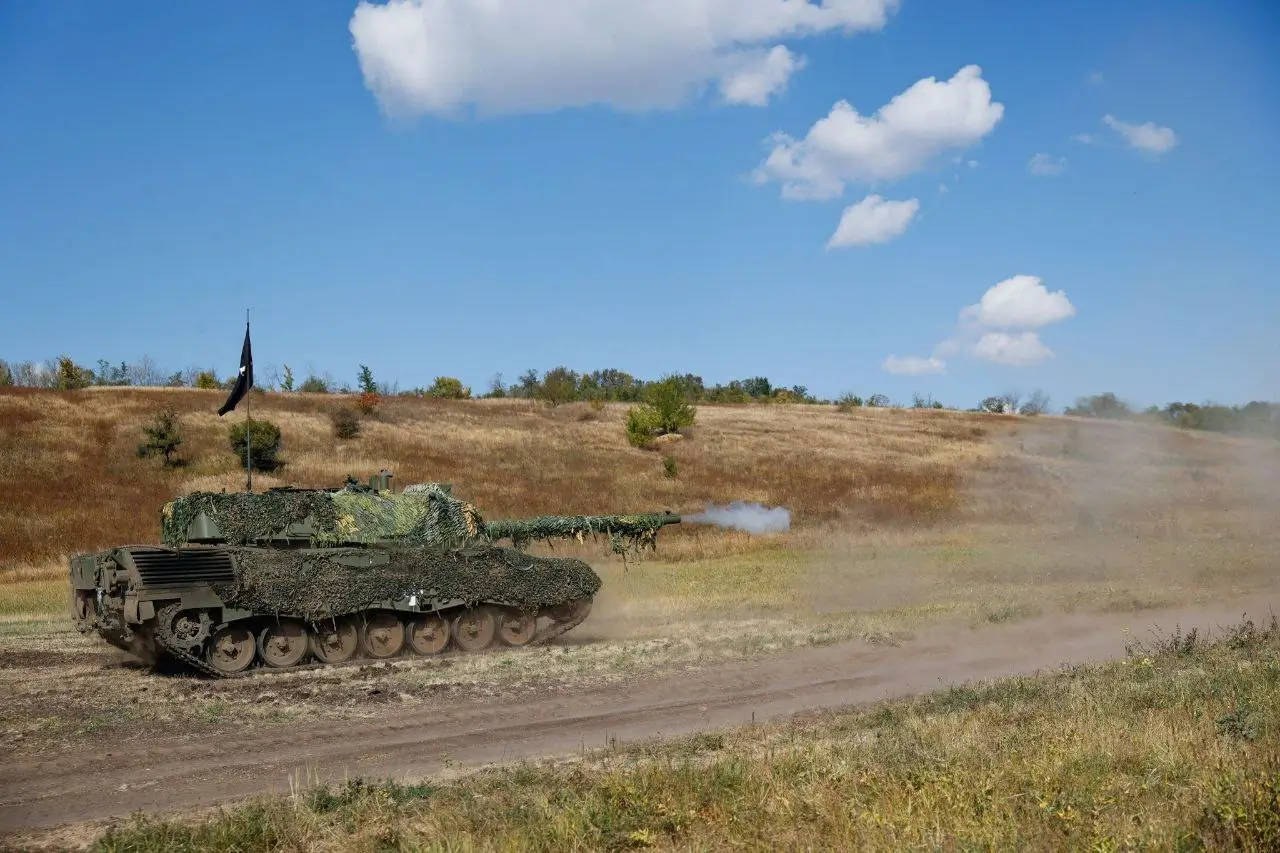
<point x="1069" y="516"/>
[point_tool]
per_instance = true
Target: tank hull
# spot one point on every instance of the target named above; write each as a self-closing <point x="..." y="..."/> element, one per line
<point x="232" y="611"/>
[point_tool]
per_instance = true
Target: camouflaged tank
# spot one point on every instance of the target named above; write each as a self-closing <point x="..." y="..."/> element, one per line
<point x="293" y="577"/>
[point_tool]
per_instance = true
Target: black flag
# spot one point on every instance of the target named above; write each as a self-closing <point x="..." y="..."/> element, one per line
<point x="245" y="380"/>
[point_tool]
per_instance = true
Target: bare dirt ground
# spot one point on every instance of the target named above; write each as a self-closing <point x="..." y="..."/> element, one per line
<point x="172" y="769"/>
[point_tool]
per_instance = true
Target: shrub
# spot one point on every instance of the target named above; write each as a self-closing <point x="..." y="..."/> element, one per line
<point x="666" y="400"/>
<point x="163" y="436"/>
<point x="663" y="411"/>
<point x="367" y="402"/>
<point x="286" y="384"/>
<point x="265" y="443"/>
<point x="849" y="402"/>
<point x="346" y="423"/>
<point x="879" y="401"/>
<point x="449" y="388"/>
<point x="6" y="374"/>
<point x="669" y="467"/>
<point x="207" y="379"/>
<point x="314" y="385"/>
<point x="641" y="426"/>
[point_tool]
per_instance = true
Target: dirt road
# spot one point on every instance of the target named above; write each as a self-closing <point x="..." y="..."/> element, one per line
<point x="172" y="774"/>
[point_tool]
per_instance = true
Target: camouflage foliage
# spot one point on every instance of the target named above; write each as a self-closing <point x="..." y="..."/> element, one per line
<point x="422" y="515"/>
<point x="316" y="583"/>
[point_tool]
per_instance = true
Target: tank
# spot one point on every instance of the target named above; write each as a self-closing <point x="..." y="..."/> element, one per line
<point x="296" y="578"/>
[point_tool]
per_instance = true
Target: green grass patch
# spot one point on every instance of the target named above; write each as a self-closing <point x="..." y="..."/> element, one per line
<point x="1177" y="747"/>
<point x="33" y="597"/>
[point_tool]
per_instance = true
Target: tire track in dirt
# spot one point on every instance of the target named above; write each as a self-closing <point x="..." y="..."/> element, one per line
<point x="173" y="774"/>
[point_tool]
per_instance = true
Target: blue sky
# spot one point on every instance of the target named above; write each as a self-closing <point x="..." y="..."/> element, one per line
<point x="430" y="191"/>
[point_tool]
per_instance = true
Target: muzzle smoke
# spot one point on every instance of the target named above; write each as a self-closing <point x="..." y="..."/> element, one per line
<point x="749" y="517"/>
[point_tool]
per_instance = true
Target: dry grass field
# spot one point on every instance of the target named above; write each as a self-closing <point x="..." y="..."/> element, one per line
<point x="903" y="521"/>
<point x="77" y="483"/>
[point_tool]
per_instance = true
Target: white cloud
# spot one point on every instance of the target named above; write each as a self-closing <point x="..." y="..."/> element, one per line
<point x="760" y="76"/>
<point x="1019" y="305"/>
<point x="1020" y="301"/>
<point x="873" y="220"/>
<point x="510" y="56"/>
<point x="1095" y="78"/>
<point x="900" y="138"/>
<point x="1148" y="136"/>
<point x="1043" y="164"/>
<point x="1083" y="138"/>
<point x="913" y="365"/>
<point x="1018" y="350"/>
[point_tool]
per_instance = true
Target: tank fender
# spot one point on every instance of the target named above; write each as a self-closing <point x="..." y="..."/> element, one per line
<point x="131" y="610"/>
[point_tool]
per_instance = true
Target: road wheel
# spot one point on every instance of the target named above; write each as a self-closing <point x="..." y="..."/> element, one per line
<point x="474" y="630"/>
<point x="334" y="640"/>
<point x="283" y="643"/>
<point x="383" y="636"/>
<point x="517" y="627"/>
<point x="428" y="635"/>
<point x="231" y="649"/>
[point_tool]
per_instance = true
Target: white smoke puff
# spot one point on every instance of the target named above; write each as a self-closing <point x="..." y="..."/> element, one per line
<point x="749" y="517"/>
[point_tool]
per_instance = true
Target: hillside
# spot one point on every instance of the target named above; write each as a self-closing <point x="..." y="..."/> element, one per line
<point x="84" y="487"/>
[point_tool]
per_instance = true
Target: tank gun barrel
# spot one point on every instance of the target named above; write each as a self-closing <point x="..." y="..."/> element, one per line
<point x="637" y="530"/>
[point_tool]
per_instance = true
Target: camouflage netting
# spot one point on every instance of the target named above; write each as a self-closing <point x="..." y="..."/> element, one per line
<point x="424" y="514"/>
<point x="421" y="515"/>
<point x="626" y="533"/>
<point x="314" y="584"/>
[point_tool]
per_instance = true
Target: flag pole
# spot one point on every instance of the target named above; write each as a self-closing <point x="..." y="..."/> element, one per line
<point x="248" y="421"/>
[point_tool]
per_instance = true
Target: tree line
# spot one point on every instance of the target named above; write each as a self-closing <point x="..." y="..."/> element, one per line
<point x="561" y="385"/>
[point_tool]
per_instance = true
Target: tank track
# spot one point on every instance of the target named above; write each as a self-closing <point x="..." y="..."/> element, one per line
<point x="168" y="642"/>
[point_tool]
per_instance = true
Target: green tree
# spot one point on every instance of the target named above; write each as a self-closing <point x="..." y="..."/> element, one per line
<point x="286" y="384"/>
<point x="449" y="388"/>
<point x="71" y="376"/>
<point x="265" y="450"/>
<point x="207" y="379"/>
<point x="163" y="436"/>
<point x="1105" y="405"/>
<point x="6" y="374"/>
<point x="560" y="385"/>
<point x="367" y="384"/>
<point x="665" y="410"/>
<point x="641" y="425"/>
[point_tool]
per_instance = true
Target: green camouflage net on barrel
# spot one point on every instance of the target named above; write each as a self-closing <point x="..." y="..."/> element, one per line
<point x="626" y="533"/>
<point x="316" y="584"/>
